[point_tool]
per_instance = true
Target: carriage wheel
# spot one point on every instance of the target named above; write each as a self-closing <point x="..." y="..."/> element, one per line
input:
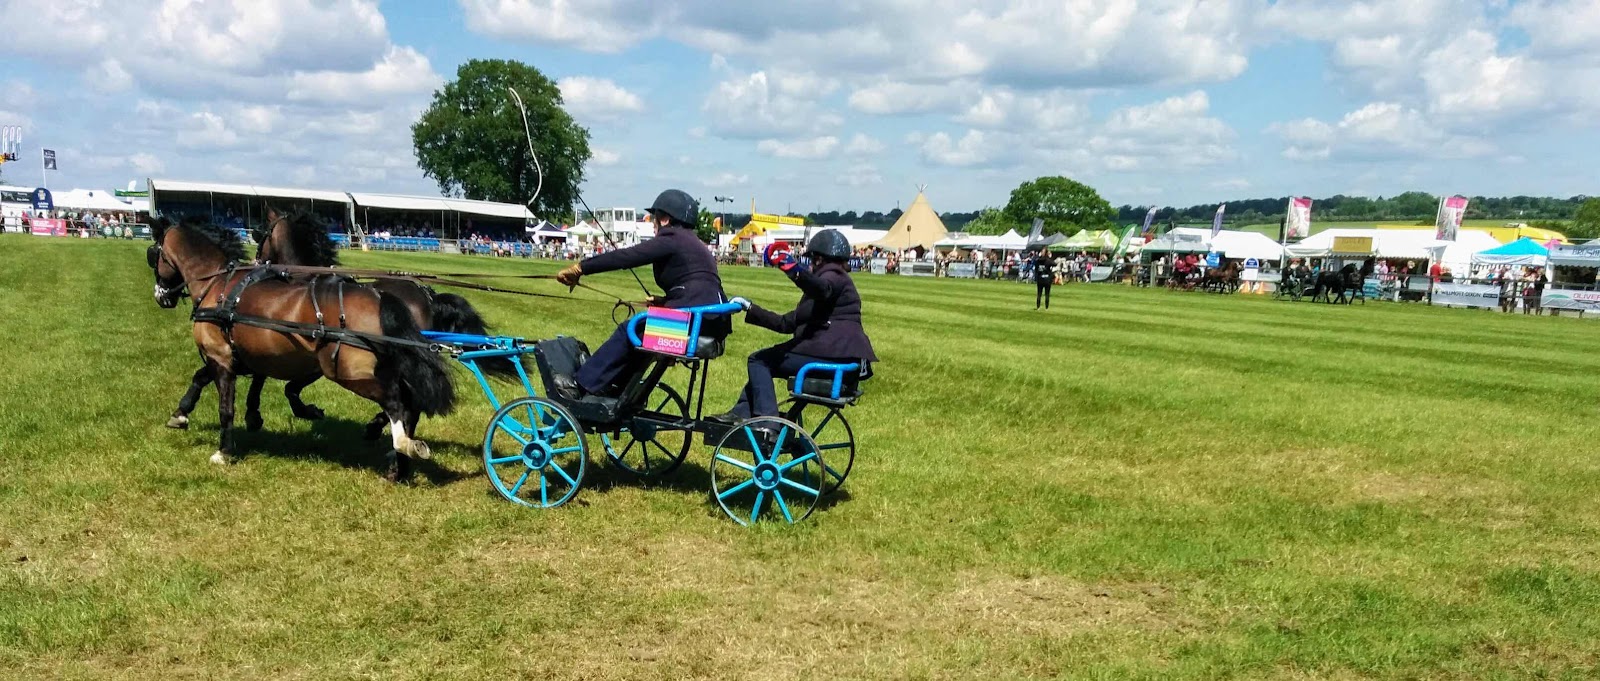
<point x="834" y="437"/>
<point x="534" y="453"/>
<point x="763" y="465"/>
<point x="653" y="451"/>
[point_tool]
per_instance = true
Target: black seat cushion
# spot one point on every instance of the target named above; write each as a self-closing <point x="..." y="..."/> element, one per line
<point x="820" y="384"/>
<point x="559" y="356"/>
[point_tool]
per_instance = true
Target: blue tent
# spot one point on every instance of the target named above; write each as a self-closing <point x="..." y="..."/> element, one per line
<point x="1524" y="251"/>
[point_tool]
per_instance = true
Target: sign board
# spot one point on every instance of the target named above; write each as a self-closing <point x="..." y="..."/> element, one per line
<point x="1560" y="299"/>
<point x="47" y="227"/>
<point x="780" y="219"/>
<point x="916" y="268"/>
<point x="1260" y="276"/>
<point x="1372" y="287"/>
<point x="1252" y="264"/>
<point x="42" y="199"/>
<point x="1466" y="295"/>
<point x="880" y="266"/>
<point x="131" y="194"/>
<point x="666" y="331"/>
<point x="1100" y="273"/>
<point x="1213" y="260"/>
<point x="1353" y="244"/>
<point x="964" y="270"/>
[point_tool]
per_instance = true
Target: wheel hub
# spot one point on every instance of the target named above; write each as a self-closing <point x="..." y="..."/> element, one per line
<point x="536" y="454"/>
<point x="767" y="475"/>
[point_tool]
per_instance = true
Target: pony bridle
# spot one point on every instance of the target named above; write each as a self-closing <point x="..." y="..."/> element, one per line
<point x="163" y="293"/>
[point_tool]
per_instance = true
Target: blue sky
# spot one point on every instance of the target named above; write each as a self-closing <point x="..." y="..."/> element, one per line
<point x="835" y="104"/>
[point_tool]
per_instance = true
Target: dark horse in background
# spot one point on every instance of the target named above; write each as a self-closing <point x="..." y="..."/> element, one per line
<point x="235" y="313"/>
<point x="299" y="238"/>
<point x="1337" y="287"/>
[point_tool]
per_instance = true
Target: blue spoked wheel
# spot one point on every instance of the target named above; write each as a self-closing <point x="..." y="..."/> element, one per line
<point x="650" y="451"/>
<point x="833" y="435"/>
<point x="767" y="468"/>
<point x="534" y="453"/>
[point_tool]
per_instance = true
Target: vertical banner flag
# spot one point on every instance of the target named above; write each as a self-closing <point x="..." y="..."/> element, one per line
<point x="1149" y="217"/>
<point x="1216" y="222"/>
<point x="1448" y="223"/>
<point x="1299" y="226"/>
<point x="1037" y="231"/>
<point x="1127" y="239"/>
<point x="49" y="159"/>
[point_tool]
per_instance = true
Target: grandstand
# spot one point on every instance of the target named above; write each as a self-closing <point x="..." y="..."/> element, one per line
<point x="383" y="221"/>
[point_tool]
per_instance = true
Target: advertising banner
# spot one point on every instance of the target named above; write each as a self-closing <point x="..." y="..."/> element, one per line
<point x="916" y="268"/>
<point x="1216" y="222"/>
<point x="1448" y="222"/>
<point x="47" y="227"/>
<point x="880" y="266"/>
<point x="962" y="270"/>
<point x="1299" y="223"/>
<point x="1588" y="301"/>
<point x="1466" y="295"/>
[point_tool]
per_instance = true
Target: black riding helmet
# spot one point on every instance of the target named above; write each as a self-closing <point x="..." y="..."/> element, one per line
<point x="677" y="205"/>
<point x="829" y="243"/>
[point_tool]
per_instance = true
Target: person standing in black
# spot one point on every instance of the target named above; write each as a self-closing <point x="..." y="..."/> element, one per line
<point x="1044" y="275"/>
<point x="685" y="270"/>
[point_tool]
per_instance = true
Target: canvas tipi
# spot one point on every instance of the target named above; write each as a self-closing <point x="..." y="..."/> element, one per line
<point x="918" y="226"/>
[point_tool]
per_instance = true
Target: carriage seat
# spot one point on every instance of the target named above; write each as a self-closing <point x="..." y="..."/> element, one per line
<point x="828" y="383"/>
<point x="677" y="332"/>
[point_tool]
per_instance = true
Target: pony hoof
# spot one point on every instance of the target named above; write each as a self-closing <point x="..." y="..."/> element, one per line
<point x="178" y="423"/>
<point x="252" y="424"/>
<point x="420" y="450"/>
<point x="309" y="413"/>
<point x="221" y="459"/>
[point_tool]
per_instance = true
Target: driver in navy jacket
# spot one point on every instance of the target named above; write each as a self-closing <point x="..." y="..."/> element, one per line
<point x="826" y="325"/>
<point x="683" y="267"/>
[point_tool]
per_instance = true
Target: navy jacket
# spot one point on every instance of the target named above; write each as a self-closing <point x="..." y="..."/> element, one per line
<point x="827" y="322"/>
<point x="1044" y="270"/>
<point x="684" y="269"/>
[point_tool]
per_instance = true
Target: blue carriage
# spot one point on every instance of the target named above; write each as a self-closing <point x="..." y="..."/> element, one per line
<point x="535" y="449"/>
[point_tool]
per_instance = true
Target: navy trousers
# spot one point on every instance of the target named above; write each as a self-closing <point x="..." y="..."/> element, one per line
<point x="607" y="362"/>
<point x="759" y="398"/>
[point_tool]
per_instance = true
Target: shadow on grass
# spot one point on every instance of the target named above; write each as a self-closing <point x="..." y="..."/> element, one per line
<point x="341" y="442"/>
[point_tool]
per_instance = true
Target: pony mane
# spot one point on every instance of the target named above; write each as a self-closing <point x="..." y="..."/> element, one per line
<point x="223" y="238"/>
<point x="308" y="234"/>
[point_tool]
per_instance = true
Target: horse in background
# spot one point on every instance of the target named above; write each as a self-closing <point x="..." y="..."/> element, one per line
<point x="260" y="320"/>
<point x="1223" y="279"/>
<point x="1337" y="287"/>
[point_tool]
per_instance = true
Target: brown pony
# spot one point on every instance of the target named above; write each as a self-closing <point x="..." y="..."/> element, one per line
<point x="1223" y="279"/>
<point x="300" y="238"/>
<point x="252" y="320"/>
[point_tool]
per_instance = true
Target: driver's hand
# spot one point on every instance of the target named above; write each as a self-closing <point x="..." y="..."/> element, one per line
<point x="570" y="275"/>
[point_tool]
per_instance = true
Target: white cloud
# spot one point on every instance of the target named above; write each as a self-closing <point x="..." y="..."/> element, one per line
<point x="723" y="180"/>
<point x="812" y="148"/>
<point x="940" y="149"/>
<point x="402" y="71"/>
<point x="597" y="98"/>
<point x="1235" y="184"/>
<point x="891" y="97"/>
<point x="761" y="105"/>
<point x="863" y="145"/>
<point x="1174" y="132"/>
<point x="1377" y="131"/>
<point x="1085" y="43"/>
<point x="860" y="175"/>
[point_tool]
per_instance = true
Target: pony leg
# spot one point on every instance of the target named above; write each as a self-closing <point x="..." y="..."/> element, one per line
<point x="376" y="425"/>
<point x="298" y="406"/>
<point x="252" y="403"/>
<point x="202" y="377"/>
<point x="225" y="396"/>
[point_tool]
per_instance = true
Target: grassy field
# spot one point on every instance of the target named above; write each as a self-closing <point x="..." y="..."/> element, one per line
<point x="1136" y="484"/>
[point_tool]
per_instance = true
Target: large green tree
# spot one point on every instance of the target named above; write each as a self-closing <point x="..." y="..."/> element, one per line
<point x="1586" y="223"/>
<point x="471" y="139"/>
<point x="1063" y="203"/>
<point x="990" y="222"/>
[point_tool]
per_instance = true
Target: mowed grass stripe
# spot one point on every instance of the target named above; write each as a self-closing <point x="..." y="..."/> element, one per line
<point x="1136" y="484"/>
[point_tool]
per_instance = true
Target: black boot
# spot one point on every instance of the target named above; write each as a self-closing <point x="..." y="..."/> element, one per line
<point x="567" y="389"/>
